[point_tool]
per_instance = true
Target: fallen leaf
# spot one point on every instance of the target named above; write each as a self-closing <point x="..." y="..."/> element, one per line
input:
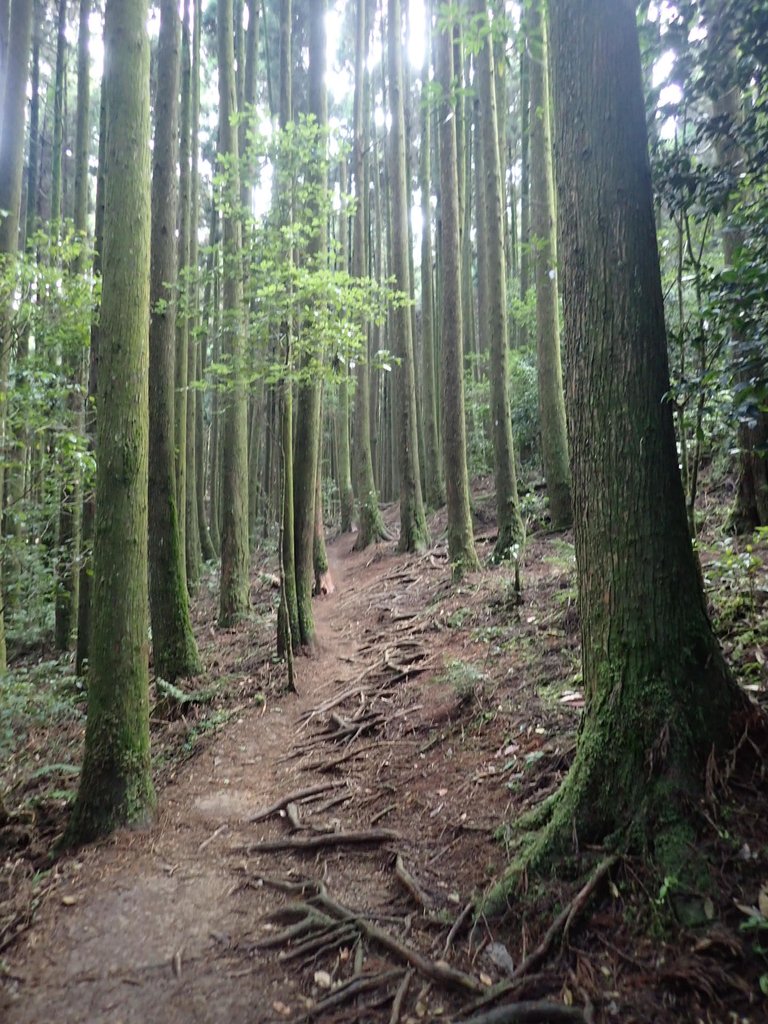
<point x="322" y="979"/>
<point x="486" y="979"/>
<point x="69" y="901"/>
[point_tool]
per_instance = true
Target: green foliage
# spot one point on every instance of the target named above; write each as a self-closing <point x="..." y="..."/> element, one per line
<point x="524" y="409"/>
<point x="35" y="696"/>
<point x="52" y="307"/>
<point x="304" y="319"/>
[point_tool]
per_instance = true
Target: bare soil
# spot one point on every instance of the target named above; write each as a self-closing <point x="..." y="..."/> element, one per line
<point x="430" y="715"/>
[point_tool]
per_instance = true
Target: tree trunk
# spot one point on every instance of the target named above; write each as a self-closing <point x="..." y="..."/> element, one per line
<point x="659" y="696"/>
<point x="234" y="601"/>
<point x="461" y="544"/>
<point x="116" y="781"/>
<point x="554" y="441"/>
<point x="346" y="494"/>
<point x="70" y="510"/>
<point x="371" y="526"/>
<point x="434" y="492"/>
<point x="84" y="611"/>
<point x="413" y="525"/>
<point x="306" y="451"/>
<point x="173" y="643"/>
<point x="13" y="105"/>
<point x="525" y="183"/>
<point x="58" y="117"/>
<point x="511" y="533"/>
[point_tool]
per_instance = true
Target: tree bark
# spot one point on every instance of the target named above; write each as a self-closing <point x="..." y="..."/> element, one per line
<point x="234" y="601"/>
<point x="659" y="696"/>
<point x="116" y="781"/>
<point x="173" y="642"/>
<point x="554" y="441"/>
<point x="370" y="526"/>
<point x="307" y="440"/>
<point x="511" y="532"/>
<point x="461" y="544"/>
<point x="14" y="99"/>
<point x="413" y="525"/>
<point x="434" y="491"/>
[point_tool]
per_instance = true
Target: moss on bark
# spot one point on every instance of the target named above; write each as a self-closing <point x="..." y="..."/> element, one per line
<point x="116" y="784"/>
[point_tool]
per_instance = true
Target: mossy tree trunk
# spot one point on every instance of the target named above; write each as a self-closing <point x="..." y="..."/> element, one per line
<point x="494" y="318"/>
<point x="13" y="101"/>
<point x="370" y="524"/>
<point x="413" y="525"/>
<point x="554" y="440"/>
<point x="434" y="489"/>
<point x="659" y="696"/>
<point x="461" y="544"/>
<point x="235" y="551"/>
<point x="116" y="782"/>
<point x="173" y="643"/>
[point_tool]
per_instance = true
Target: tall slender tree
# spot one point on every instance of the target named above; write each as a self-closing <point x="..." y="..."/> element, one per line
<point x="554" y="441"/>
<point x="434" y="489"/>
<point x="413" y="525"/>
<point x="370" y="523"/>
<point x="660" y="699"/>
<point x="461" y="544"/>
<point x="233" y="599"/>
<point x="494" y="319"/>
<point x="70" y="510"/>
<point x="182" y="399"/>
<point x="307" y="438"/>
<point x="173" y="643"/>
<point x="13" y="97"/>
<point x="116" y="782"/>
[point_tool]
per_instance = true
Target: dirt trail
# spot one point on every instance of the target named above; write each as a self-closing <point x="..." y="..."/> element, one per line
<point x="162" y="925"/>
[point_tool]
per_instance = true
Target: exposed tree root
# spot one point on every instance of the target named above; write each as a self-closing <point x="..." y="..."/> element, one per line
<point x="318" y="908"/>
<point x="292" y="798"/>
<point x="529" y="1013"/>
<point x="322" y="840"/>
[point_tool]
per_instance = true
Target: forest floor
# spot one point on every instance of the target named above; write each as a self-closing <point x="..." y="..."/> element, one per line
<point x="316" y="855"/>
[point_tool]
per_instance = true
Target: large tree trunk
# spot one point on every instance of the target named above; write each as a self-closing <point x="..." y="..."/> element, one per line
<point x="413" y="525"/>
<point x="494" y="319"/>
<point x="659" y="696"/>
<point x="461" y="544"/>
<point x="554" y="441"/>
<point x="173" y="643"/>
<point x="116" y="781"/>
<point x="234" y="596"/>
<point x="12" y="106"/>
